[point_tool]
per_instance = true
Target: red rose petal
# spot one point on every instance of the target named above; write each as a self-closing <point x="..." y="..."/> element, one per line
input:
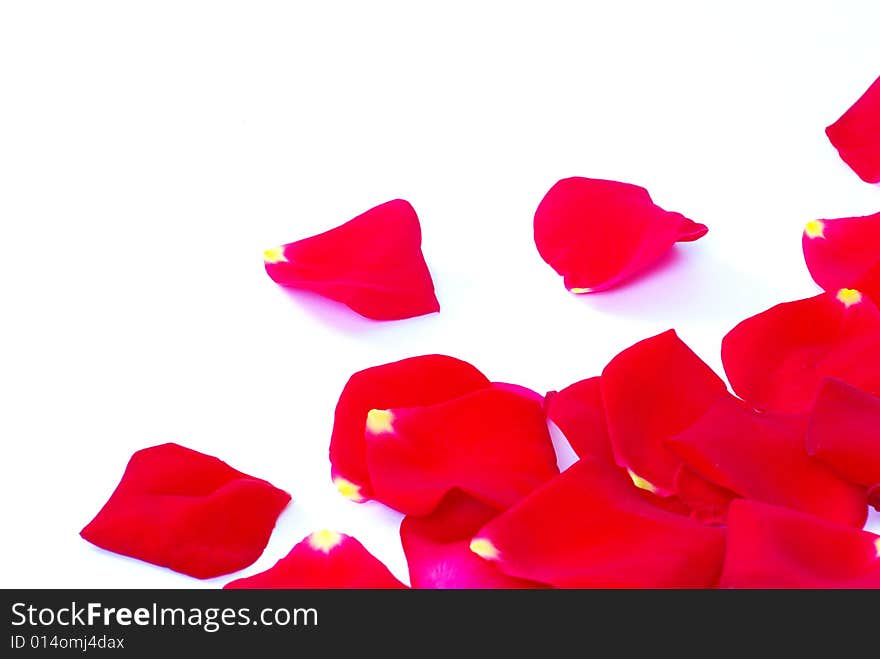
<point x="762" y="457"/>
<point x="845" y="253"/>
<point x="596" y="233"/>
<point x="324" y="559"/>
<point x="187" y="511"/>
<point x="373" y="264"/>
<point x="591" y="528"/>
<point x="874" y="496"/>
<point x="706" y="501"/>
<point x="771" y="547"/>
<point x="493" y="444"/>
<point x="437" y="547"/>
<point x="844" y="432"/>
<point x="777" y="359"/>
<point x="856" y="135"/>
<point x="652" y="391"/>
<point x="413" y="382"/>
<point x="869" y="283"/>
<point x="578" y="412"/>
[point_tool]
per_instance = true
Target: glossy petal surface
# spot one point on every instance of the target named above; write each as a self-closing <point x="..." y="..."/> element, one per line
<point x="856" y="135"/>
<point x="324" y="559"/>
<point x="772" y="547"/>
<point x="762" y="457"/>
<point x="493" y="444"/>
<point x="598" y="233"/>
<point x="372" y="263"/>
<point x="844" y="432"/>
<point x="591" y="528"/>
<point x="778" y="359"/>
<point x="437" y="547"/>
<point x="652" y="391"/>
<point x="845" y="253"/>
<point x="187" y="511"/>
<point x="412" y="382"/>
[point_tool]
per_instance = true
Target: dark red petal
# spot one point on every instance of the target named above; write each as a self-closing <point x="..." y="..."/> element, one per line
<point x="842" y="253"/>
<point x="493" y="444"/>
<point x="771" y="547"/>
<point x="438" y="552"/>
<point x="324" y="559"/>
<point x="778" y="359"/>
<point x="844" y="432"/>
<point x="706" y="501"/>
<point x="413" y="382"/>
<point x="187" y="511"/>
<point x="578" y="412"/>
<point x="591" y="528"/>
<point x="856" y="135"/>
<point x="762" y="457"/>
<point x="652" y="391"/>
<point x="373" y="264"/>
<point x="596" y="233"/>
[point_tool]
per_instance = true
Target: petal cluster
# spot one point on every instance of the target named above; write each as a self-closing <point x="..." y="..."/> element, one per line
<point x="778" y="359"/>
<point x="492" y="444"/>
<point x="844" y="433"/>
<point x="590" y="527"/>
<point x="763" y="457"/>
<point x="437" y="547"/>
<point x="652" y="391"/>
<point x="844" y="253"/>
<point x="772" y="547"/>
<point x="414" y="382"/>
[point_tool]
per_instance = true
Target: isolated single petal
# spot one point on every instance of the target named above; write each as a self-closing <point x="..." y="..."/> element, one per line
<point x="774" y="547"/>
<point x="856" y="135"/>
<point x="706" y="501"/>
<point x="373" y="264"/>
<point x="654" y="390"/>
<point x="187" y="511"/>
<point x="412" y="382"/>
<point x="493" y="444"/>
<point x="324" y="559"/>
<point x="578" y="412"/>
<point x="762" y="457"/>
<point x="844" y="253"/>
<point x="777" y="359"/>
<point x="437" y="547"/>
<point x="598" y="233"/>
<point x="590" y="527"/>
<point x="844" y="432"/>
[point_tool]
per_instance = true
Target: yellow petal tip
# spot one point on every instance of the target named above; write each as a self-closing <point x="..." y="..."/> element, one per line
<point x="815" y="229"/>
<point x="349" y="490"/>
<point x="380" y="421"/>
<point x="324" y="540"/>
<point x="274" y="255"/>
<point x="641" y="483"/>
<point x="484" y="549"/>
<point x="849" y="296"/>
<point x="580" y="291"/>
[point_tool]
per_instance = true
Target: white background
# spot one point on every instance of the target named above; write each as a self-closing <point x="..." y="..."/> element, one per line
<point x="150" y="151"/>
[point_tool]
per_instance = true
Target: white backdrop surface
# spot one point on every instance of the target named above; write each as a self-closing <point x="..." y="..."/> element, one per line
<point x="149" y="152"/>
